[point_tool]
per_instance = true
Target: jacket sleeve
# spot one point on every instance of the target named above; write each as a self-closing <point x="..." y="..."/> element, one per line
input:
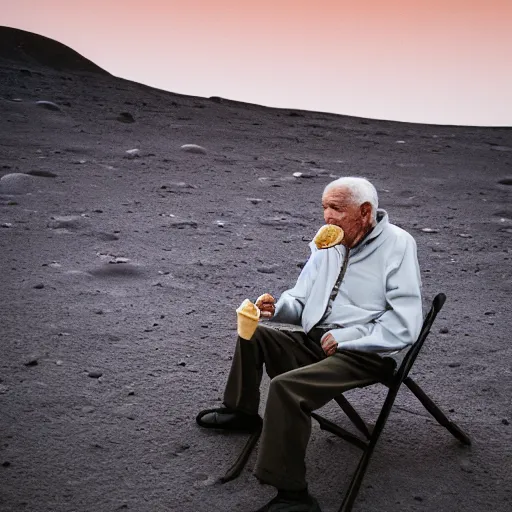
<point x="400" y="324"/>
<point x="291" y="302"/>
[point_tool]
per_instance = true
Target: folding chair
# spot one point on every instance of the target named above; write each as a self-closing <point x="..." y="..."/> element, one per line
<point x="395" y="380"/>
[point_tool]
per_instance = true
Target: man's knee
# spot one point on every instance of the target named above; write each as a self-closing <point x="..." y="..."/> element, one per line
<point x="281" y="383"/>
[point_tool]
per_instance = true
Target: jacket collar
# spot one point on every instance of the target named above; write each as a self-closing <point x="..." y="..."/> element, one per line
<point x="382" y="223"/>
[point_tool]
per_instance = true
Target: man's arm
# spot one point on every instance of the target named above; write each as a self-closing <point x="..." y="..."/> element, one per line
<point x="291" y="302"/>
<point x="400" y="325"/>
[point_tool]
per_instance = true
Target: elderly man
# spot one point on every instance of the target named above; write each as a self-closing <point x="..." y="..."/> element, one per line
<point x="356" y="302"/>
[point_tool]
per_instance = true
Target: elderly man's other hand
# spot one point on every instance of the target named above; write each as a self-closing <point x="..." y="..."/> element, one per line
<point x="329" y="344"/>
<point x="265" y="303"/>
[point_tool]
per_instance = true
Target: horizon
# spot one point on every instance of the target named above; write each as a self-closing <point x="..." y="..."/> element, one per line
<point x="372" y="61"/>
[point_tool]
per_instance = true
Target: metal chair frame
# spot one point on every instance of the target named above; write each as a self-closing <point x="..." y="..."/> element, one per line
<point x="367" y="445"/>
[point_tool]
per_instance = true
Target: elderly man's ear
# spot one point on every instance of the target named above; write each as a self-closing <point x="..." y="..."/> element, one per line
<point x="366" y="210"/>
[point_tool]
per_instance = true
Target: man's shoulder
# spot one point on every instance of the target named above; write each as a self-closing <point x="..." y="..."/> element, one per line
<point x="398" y="234"/>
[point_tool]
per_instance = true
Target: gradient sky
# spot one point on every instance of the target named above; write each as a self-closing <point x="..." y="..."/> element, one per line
<point x="435" y="61"/>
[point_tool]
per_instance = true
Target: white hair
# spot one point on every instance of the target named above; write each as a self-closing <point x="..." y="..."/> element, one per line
<point x="361" y="191"/>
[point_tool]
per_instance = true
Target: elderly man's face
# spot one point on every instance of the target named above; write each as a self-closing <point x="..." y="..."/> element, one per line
<point x="339" y="209"/>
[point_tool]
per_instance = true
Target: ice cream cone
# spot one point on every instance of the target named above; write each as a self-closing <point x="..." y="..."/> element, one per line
<point x="248" y="316"/>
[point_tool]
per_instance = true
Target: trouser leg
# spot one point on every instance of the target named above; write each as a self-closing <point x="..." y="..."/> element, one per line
<point x="292" y="397"/>
<point x="280" y="351"/>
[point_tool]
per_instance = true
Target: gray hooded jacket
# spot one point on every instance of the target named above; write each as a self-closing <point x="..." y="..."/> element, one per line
<point x="378" y="307"/>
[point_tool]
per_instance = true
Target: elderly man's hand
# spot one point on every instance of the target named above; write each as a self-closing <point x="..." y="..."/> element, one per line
<point x="265" y="303"/>
<point x="329" y="344"/>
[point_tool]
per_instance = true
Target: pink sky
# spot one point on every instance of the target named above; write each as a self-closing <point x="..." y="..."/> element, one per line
<point x="442" y="62"/>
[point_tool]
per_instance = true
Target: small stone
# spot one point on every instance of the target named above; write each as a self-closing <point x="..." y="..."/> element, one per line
<point x="48" y="105"/>
<point x="131" y="393"/>
<point x="490" y="313"/>
<point x="98" y="312"/>
<point x="453" y="365"/>
<point x="7" y="224"/>
<point x="505" y="422"/>
<point x="254" y="200"/>
<point x="58" y="362"/>
<point x="194" y="148"/>
<point x="132" y="153"/>
<point x="265" y="270"/>
<point x="182" y="363"/>
<point x="418" y="498"/>
<point x="95" y="374"/>
<point x="429" y="230"/>
<point x="31" y="362"/>
<point x="12" y="203"/>
<point x="465" y="235"/>
<point x="400" y="141"/>
<point x="444" y="330"/>
<point x="39" y="286"/>
<point x="6" y="464"/>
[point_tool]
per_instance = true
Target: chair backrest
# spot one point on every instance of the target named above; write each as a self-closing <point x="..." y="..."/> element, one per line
<point x="413" y="352"/>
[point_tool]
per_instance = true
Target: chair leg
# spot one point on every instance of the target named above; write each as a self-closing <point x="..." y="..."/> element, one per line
<point x="325" y="424"/>
<point x="242" y="459"/>
<point x="357" y="479"/>
<point x="437" y="412"/>
<point x="353" y="415"/>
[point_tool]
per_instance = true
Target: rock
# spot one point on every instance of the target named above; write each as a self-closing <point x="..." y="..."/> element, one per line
<point x="6" y="224"/>
<point x="132" y="153"/>
<point x="465" y="235"/>
<point x="505" y="181"/>
<point x="66" y="222"/>
<point x="194" y="148"/>
<point x="216" y="99"/>
<point x="182" y="363"/>
<point x="6" y="464"/>
<point x="429" y="230"/>
<point x="39" y="286"/>
<point x="16" y="183"/>
<point x="180" y="224"/>
<point x="48" y="105"/>
<point x="505" y="422"/>
<point x="454" y="365"/>
<point x="12" y="203"/>
<point x="254" y="200"/>
<point x="267" y="269"/>
<point x="125" y="117"/>
<point x="444" y="330"/>
<point x="32" y="361"/>
<point x="95" y="374"/>
<point x="178" y="186"/>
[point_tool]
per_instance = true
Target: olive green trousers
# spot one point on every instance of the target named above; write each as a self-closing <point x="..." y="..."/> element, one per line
<point x="303" y="379"/>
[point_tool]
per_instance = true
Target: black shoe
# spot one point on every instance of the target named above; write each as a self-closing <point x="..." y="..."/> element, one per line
<point x="284" y="504"/>
<point x="229" y="419"/>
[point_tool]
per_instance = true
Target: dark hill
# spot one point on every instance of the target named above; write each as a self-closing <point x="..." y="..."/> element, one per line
<point x="28" y="48"/>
